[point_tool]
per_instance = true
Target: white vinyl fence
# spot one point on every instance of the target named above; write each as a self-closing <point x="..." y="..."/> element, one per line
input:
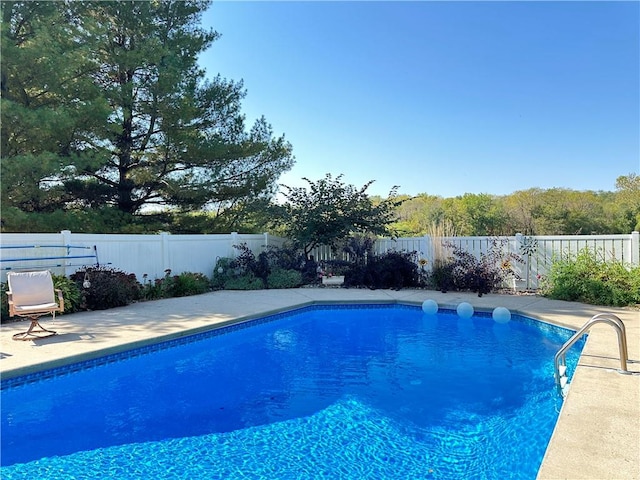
<point x="152" y="255"/>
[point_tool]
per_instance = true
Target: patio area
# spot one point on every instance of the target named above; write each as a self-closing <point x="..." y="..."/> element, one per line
<point x="598" y="431"/>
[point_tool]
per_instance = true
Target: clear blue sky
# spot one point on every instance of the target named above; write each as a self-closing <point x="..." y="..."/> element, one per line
<point x="443" y="98"/>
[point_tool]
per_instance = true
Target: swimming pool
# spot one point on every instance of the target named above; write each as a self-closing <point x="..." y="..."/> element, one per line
<point x="366" y="391"/>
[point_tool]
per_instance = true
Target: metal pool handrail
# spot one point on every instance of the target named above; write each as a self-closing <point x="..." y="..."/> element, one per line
<point x="560" y="364"/>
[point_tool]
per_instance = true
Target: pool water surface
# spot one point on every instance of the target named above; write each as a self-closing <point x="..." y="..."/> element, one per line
<point x="350" y="392"/>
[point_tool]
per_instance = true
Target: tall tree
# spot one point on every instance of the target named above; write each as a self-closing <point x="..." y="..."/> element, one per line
<point x="417" y="215"/>
<point x="628" y="193"/>
<point x="166" y="136"/>
<point x="561" y="211"/>
<point x="475" y="214"/>
<point x="48" y="102"/>
<point x="519" y="207"/>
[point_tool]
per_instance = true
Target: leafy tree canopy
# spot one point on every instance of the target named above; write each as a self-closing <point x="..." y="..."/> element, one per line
<point x="329" y="211"/>
<point x="628" y="187"/>
<point x="104" y="105"/>
<point x="535" y="211"/>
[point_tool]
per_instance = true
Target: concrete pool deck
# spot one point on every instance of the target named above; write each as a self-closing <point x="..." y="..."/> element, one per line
<point x="598" y="432"/>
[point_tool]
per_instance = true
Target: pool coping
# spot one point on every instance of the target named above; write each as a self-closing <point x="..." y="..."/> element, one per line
<point x="596" y="436"/>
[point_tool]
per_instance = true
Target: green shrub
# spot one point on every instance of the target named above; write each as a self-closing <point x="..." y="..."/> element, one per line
<point x="244" y="282"/>
<point x="587" y="277"/>
<point x="223" y="271"/>
<point x="273" y="268"/>
<point x="156" y="289"/>
<point x="70" y="293"/>
<point x="241" y="273"/>
<point x="183" y="285"/>
<point x="188" y="283"/>
<point x="4" y="304"/>
<point x="441" y="276"/>
<point x="231" y="274"/>
<point x="108" y="287"/>
<point x="281" y="278"/>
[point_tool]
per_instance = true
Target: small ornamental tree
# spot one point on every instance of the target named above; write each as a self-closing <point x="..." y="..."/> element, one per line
<point x="329" y="211"/>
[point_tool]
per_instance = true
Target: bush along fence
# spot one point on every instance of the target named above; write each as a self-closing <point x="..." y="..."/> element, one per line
<point x="537" y="253"/>
<point x="149" y="257"/>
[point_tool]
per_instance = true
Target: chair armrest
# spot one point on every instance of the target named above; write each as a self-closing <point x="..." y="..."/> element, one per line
<point x="12" y="307"/>
<point x="60" y="300"/>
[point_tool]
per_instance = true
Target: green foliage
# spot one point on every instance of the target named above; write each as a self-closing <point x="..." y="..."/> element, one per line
<point x="475" y="214"/>
<point x="49" y="103"/>
<point x="441" y="275"/>
<point x="587" y="277"/>
<point x="222" y="272"/>
<point x="534" y="211"/>
<point x="244" y="272"/>
<point x="291" y="258"/>
<point x="274" y="268"/>
<point x="188" y="283"/>
<point x="4" y="304"/>
<point x="154" y="290"/>
<point x="244" y="282"/>
<point x="104" y="219"/>
<point x="628" y="193"/>
<point x="91" y="118"/>
<point x="185" y="284"/>
<point x="70" y="293"/>
<point x="108" y="287"/>
<point x="330" y="211"/>
<point x="280" y="278"/>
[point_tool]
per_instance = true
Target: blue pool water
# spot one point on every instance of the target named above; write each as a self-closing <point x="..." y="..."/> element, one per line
<point x="347" y="392"/>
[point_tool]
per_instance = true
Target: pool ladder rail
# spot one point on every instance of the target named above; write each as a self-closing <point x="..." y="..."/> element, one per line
<point x="560" y="364"/>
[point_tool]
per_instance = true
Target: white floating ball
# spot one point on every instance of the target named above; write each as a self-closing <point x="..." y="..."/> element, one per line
<point x="430" y="307"/>
<point x="501" y="314"/>
<point x="465" y="310"/>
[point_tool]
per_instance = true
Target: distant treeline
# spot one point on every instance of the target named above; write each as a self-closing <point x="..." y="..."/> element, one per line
<point x="535" y="211"/>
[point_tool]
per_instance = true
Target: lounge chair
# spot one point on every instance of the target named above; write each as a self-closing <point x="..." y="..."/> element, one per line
<point x="31" y="295"/>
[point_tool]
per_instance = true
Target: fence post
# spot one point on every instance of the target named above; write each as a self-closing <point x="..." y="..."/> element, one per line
<point x="66" y="241"/>
<point x="233" y="241"/>
<point x="266" y="240"/>
<point x="635" y="249"/>
<point x="428" y="251"/>
<point x="164" y="248"/>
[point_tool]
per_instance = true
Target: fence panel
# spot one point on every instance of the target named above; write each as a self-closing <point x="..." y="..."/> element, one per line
<point x="537" y="252"/>
<point x="152" y="255"/>
<point x="20" y="251"/>
<point x="146" y="256"/>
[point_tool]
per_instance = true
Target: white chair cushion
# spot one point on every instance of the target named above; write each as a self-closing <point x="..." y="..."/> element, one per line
<point x="31" y="289"/>
<point x="35" y="308"/>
